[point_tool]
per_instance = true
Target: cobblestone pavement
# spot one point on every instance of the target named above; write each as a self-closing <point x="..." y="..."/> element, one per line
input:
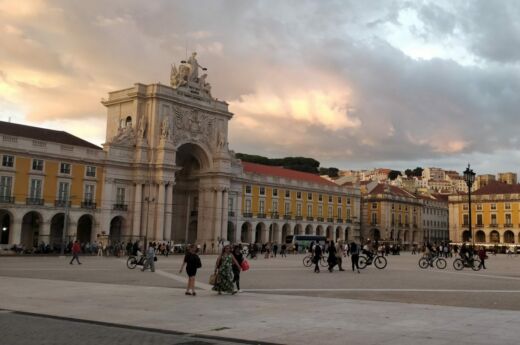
<point x="24" y="329"/>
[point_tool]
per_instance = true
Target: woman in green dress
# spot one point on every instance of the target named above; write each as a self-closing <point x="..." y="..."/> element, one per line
<point x="224" y="271"/>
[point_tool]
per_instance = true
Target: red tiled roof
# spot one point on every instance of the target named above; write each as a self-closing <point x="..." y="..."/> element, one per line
<point x="285" y="173"/>
<point x="44" y="134"/>
<point x="496" y="187"/>
<point x="382" y="188"/>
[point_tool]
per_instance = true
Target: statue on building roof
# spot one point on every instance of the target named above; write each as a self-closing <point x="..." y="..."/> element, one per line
<point x="187" y="74"/>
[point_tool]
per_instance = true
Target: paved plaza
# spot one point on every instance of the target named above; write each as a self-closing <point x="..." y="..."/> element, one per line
<point x="283" y="302"/>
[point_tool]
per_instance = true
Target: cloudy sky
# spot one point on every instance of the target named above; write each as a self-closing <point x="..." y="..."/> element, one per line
<point x="354" y="84"/>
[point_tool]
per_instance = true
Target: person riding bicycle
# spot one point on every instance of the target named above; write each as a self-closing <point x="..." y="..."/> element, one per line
<point x="465" y="254"/>
<point x="367" y="250"/>
<point x="430" y="253"/>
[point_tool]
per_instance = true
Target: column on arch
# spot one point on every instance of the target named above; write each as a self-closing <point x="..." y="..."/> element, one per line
<point x="138" y="203"/>
<point x="217" y="231"/>
<point x="225" y="209"/>
<point x="159" y="230"/>
<point x="168" y="212"/>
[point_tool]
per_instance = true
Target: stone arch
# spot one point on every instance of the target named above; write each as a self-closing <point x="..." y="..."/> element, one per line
<point x="31" y="226"/>
<point x="6" y="221"/>
<point x="308" y="229"/>
<point x="246" y="233"/>
<point x="115" y="233"/>
<point x="188" y="152"/>
<point x="231" y="232"/>
<point x="347" y="231"/>
<point x="509" y="237"/>
<point x="286" y="230"/>
<point x="375" y="234"/>
<point x="319" y="230"/>
<point x="494" y="237"/>
<point x="128" y="121"/>
<point x="57" y="223"/>
<point x="329" y="231"/>
<point x="480" y="236"/>
<point x="339" y="231"/>
<point x="84" y="228"/>
<point x="274" y="233"/>
<point x="298" y="229"/>
<point x="260" y="233"/>
<point x="466" y="236"/>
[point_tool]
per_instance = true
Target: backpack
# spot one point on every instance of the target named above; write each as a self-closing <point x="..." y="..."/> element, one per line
<point x="199" y="263"/>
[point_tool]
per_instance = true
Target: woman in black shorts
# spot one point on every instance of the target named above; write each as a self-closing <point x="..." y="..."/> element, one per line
<point x="192" y="262"/>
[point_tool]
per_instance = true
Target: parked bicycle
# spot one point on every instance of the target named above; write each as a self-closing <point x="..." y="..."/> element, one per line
<point x="308" y="261"/>
<point x="428" y="261"/>
<point x="133" y="261"/>
<point x="473" y="262"/>
<point x="378" y="260"/>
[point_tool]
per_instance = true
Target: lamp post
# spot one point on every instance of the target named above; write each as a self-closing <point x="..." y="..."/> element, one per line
<point x="469" y="178"/>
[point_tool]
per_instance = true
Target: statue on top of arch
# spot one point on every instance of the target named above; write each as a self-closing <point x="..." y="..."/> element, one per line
<point x="188" y="75"/>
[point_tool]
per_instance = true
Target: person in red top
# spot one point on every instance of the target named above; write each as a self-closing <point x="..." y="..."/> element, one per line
<point x="482" y="256"/>
<point x="76" y="249"/>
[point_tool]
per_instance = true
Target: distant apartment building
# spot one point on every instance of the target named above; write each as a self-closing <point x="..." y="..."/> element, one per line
<point x="483" y="180"/>
<point x="507" y="177"/>
<point x="433" y="174"/>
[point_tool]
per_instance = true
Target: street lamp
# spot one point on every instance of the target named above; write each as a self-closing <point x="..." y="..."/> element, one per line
<point x="469" y="178"/>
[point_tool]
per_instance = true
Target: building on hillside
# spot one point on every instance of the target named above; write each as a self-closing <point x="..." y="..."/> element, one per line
<point x="391" y="214"/>
<point x="433" y="174"/>
<point x="495" y="215"/>
<point x="45" y="175"/>
<point x="483" y="180"/>
<point x="275" y="202"/>
<point x="439" y="185"/>
<point x="458" y="185"/>
<point x="507" y="177"/>
<point x="435" y="219"/>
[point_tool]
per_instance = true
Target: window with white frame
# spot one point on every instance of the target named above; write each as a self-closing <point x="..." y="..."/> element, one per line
<point x="507" y="206"/>
<point x="479" y="207"/>
<point x="275" y="206"/>
<point x="37" y="164"/>
<point x="261" y="206"/>
<point x="35" y="191"/>
<point x="248" y="206"/>
<point x="508" y="218"/>
<point x="309" y="210"/>
<point x="6" y="183"/>
<point x="348" y="201"/>
<point x="275" y="192"/>
<point x="89" y="192"/>
<point x="90" y="171"/>
<point x="329" y="212"/>
<point x="339" y="213"/>
<point x="374" y="218"/>
<point x="309" y="196"/>
<point x="65" y="168"/>
<point x="374" y="205"/>
<point x="63" y="191"/>
<point x="287" y="193"/>
<point x="320" y="211"/>
<point x="348" y="213"/>
<point x="298" y="195"/>
<point x="299" y="209"/>
<point x="493" y="207"/>
<point x="494" y="219"/>
<point x="120" y="195"/>
<point x="287" y="208"/>
<point x="262" y="190"/>
<point x="8" y="161"/>
<point x="320" y="197"/>
<point x="339" y="200"/>
<point x="330" y="198"/>
<point x="231" y="203"/>
<point x="248" y="189"/>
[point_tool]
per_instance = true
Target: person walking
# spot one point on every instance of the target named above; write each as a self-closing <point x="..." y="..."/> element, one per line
<point x="339" y="254"/>
<point x="275" y="249"/>
<point x="150" y="258"/>
<point x="482" y="256"/>
<point x="317" y="253"/>
<point x="224" y="271"/>
<point x="76" y="249"/>
<point x="192" y="262"/>
<point x="237" y="254"/>
<point x="354" y="256"/>
<point x="283" y="250"/>
<point x="331" y="260"/>
<point x="100" y="249"/>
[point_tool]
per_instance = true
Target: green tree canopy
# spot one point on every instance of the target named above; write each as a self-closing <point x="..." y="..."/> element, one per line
<point x="295" y="163"/>
<point x="392" y="175"/>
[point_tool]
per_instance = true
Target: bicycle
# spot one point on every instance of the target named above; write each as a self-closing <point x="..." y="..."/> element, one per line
<point x="133" y="261"/>
<point x="378" y="260"/>
<point x="308" y="261"/>
<point x="473" y="262"/>
<point x="426" y="262"/>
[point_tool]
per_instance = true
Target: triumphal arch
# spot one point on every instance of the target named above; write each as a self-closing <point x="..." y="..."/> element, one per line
<point x="168" y="167"/>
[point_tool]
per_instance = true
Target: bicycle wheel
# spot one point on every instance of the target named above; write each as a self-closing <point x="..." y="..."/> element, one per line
<point x="362" y="262"/>
<point x="458" y="264"/>
<point x="475" y="264"/>
<point x="441" y="263"/>
<point x="307" y="261"/>
<point x="324" y="262"/>
<point x="423" y="263"/>
<point x="131" y="263"/>
<point x="380" y="262"/>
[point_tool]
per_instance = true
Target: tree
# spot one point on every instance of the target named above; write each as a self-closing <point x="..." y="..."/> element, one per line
<point x="392" y="175"/>
<point x="333" y="172"/>
<point x="418" y="171"/>
<point x="408" y="173"/>
<point x="295" y="163"/>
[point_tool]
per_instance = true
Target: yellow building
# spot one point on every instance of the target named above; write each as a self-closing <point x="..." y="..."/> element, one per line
<point x="390" y="213"/>
<point x="495" y="210"/>
<point x="276" y="202"/>
<point x="45" y="174"/>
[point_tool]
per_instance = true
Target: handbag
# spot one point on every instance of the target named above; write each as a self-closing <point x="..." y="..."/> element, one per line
<point x="155" y="258"/>
<point x="244" y="265"/>
<point x="199" y="263"/>
<point x="213" y="279"/>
